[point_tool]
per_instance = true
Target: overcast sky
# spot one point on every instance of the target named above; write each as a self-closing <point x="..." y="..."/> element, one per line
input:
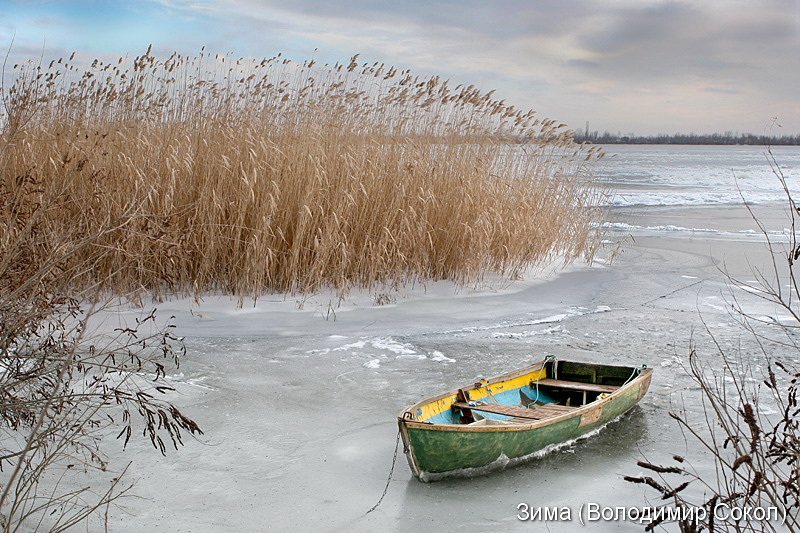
<point x="641" y="66"/>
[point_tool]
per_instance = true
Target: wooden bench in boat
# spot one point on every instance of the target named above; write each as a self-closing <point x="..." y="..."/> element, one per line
<point x="537" y="413"/>
<point x="577" y="385"/>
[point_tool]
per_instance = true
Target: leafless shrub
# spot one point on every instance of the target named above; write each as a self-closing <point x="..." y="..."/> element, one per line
<point x="752" y="428"/>
<point x="65" y="386"/>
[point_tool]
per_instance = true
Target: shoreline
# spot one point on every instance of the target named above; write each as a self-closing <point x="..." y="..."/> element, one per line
<point x="217" y="314"/>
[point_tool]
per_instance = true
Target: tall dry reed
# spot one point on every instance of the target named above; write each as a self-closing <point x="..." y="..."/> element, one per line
<point x="253" y="176"/>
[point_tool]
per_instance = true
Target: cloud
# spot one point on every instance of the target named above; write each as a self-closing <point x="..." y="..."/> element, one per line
<point x="582" y="63"/>
<point x="721" y="90"/>
<point x="644" y="65"/>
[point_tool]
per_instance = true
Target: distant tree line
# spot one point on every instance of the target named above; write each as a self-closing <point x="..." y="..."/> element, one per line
<point x="729" y="137"/>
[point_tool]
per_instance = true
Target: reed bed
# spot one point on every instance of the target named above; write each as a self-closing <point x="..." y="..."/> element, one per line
<point x="247" y="176"/>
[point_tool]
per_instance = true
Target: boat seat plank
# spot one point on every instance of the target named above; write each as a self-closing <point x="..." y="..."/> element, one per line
<point x="519" y="420"/>
<point x="576" y="385"/>
<point x="537" y="413"/>
<point x="556" y="407"/>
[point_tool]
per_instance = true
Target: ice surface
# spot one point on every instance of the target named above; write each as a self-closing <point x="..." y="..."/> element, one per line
<point x="697" y="175"/>
<point x="298" y="396"/>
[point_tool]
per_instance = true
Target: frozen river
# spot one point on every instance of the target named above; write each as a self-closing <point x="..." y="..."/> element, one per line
<point x="298" y="400"/>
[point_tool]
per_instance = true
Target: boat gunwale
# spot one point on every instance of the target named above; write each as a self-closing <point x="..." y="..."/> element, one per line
<point x="645" y="374"/>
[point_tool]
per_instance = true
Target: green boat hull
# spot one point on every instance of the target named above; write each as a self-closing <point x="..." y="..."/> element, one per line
<point x="433" y="449"/>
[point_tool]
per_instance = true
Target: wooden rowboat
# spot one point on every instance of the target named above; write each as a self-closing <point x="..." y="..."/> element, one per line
<point x="515" y="416"/>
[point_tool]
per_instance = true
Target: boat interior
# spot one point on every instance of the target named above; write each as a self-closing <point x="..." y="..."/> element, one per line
<point x="545" y="390"/>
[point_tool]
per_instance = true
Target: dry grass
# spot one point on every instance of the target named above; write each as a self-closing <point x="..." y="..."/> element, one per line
<point x="250" y="176"/>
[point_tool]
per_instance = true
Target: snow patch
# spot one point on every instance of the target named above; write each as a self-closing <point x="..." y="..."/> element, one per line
<point x="194" y="382"/>
<point x="674" y="360"/>
<point x="387" y="343"/>
<point x="524" y="334"/>
<point x="351" y="346"/>
<point x="439" y="357"/>
<point x="551" y="319"/>
<point x="669" y="227"/>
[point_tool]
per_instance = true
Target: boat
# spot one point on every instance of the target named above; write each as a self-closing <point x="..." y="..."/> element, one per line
<point x="516" y="416"/>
